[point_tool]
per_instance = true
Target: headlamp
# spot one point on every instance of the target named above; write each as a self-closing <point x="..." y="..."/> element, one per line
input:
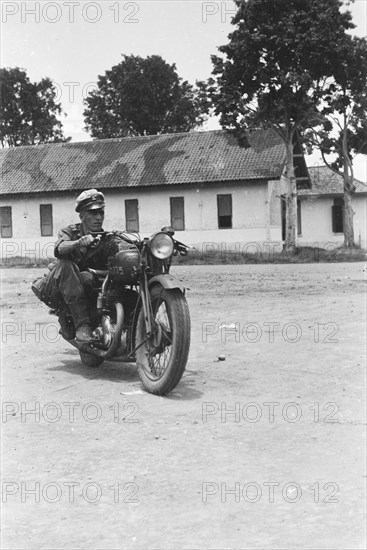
<point x="161" y="246"/>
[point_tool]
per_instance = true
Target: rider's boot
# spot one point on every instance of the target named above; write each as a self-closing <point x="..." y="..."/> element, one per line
<point x="84" y="332"/>
<point x="67" y="329"/>
<point x="80" y="314"/>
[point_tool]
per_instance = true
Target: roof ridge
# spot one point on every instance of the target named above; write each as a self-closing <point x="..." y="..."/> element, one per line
<point x="196" y="157"/>
<point x="116" y="139"/>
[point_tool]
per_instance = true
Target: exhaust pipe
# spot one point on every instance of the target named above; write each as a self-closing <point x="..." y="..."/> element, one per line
<point x="87" y="347"/>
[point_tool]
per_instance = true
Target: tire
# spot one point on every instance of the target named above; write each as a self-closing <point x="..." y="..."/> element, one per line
<point x="94" y="360"/>
<point x="162" y="360"/>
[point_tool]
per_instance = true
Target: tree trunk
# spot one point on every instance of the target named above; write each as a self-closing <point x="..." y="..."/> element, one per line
<point x="348" y="190"/>
<point x="290" y="199"/>
<point x="348" y="219"/>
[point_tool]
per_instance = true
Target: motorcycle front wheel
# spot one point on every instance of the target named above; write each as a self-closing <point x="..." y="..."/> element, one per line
<point x="161" y="359"/>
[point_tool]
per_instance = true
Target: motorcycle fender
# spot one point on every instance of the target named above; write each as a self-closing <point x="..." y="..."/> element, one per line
<point x="167" y="281"/>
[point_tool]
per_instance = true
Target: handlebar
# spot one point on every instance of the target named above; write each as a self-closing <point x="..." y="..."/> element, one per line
<point x="119" y="234"/>
<point x="180" y="247"/>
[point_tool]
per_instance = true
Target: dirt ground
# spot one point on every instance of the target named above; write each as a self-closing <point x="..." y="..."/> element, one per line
<point x="265" y="449"/>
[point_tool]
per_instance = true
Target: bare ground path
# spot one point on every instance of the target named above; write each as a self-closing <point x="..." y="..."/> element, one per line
<point x="262" y="450"/>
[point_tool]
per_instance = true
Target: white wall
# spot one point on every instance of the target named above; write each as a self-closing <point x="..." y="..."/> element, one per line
<point x="26" y="240"/>
<point x="317" y="221"/>
<point x="255" y="219"/>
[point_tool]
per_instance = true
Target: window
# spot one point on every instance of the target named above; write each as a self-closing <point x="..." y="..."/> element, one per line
<point x="46" y="220"/>
<point x="177" y="213"/>
<point x="299" y="218"/>
<point x="283" y="216"/>
<point x="131" y="214"/>
<point x="337" y="216"/>
<point x="224" y="211"/>
<point x="283" y="213"/>
<point x="5" y="220"/>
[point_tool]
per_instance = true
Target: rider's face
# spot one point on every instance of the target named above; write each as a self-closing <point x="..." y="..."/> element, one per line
<point x="92" y="220"/>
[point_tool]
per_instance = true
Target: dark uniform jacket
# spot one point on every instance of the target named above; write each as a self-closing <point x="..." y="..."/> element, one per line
<point x="95" y="257"/>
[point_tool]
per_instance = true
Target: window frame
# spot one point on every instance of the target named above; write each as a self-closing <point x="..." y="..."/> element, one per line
<point x="219" y="197"/>
<point x="337" y="216"/>
<point x="43" y="208"/>
<point x="3" y="227"/>
<point x="172" y="200"/>
<point x="127" y="220"/>
<point x="299" y="218"/>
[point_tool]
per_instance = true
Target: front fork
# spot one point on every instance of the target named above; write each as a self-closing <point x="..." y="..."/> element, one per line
<point x="147" y="308"/>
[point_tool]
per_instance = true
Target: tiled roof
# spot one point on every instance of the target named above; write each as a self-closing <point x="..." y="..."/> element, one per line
<point x="195" y="157"/>
<point x="325" y="182"/>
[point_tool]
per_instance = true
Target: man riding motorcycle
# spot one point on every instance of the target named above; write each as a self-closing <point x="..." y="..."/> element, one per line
<point x="116" y="299"/>
<point x="69" y="286"/>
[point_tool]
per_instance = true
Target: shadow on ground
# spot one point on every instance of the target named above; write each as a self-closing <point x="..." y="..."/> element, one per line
<point x="125" y="372"/>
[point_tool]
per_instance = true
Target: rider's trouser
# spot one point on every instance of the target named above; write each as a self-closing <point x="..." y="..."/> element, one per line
<point x="67" y="284"/>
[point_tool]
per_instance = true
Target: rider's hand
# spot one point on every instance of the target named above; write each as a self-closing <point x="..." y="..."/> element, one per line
<point x="85" y="241"/>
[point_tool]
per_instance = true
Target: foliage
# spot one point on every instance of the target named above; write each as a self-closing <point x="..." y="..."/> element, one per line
<point x="277" y="60"/>
<point x="28" y="110"/>
<point x="342" y="132"/>
<point x="274" y="72"/>
<point x="143" y="97"/>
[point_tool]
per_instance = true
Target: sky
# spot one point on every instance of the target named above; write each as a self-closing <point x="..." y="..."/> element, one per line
<point x="74" y="41"/>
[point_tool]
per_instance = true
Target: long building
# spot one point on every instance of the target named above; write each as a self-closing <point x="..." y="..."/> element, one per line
<point x="210" y="189"/>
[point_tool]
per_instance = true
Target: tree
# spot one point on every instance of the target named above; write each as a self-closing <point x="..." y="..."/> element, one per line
<point x="141" y="97"/>
<point x="342" y="132"/>
<point x="274" y="73"/>
<point x="28" y="110"/>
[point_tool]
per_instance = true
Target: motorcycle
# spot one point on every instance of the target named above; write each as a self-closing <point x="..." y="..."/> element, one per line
<point x="142" y="312"/>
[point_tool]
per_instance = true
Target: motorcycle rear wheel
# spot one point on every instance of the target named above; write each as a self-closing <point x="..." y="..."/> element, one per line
<point x="161" y="360"/>
<point x="90" y="360"/>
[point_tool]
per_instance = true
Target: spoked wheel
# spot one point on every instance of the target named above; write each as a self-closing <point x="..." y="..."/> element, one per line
<point x="162" y="358"/>
<point x="108" y="338"/>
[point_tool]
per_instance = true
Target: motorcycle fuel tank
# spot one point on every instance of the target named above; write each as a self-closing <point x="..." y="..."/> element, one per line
<point x="124" y="266"/>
